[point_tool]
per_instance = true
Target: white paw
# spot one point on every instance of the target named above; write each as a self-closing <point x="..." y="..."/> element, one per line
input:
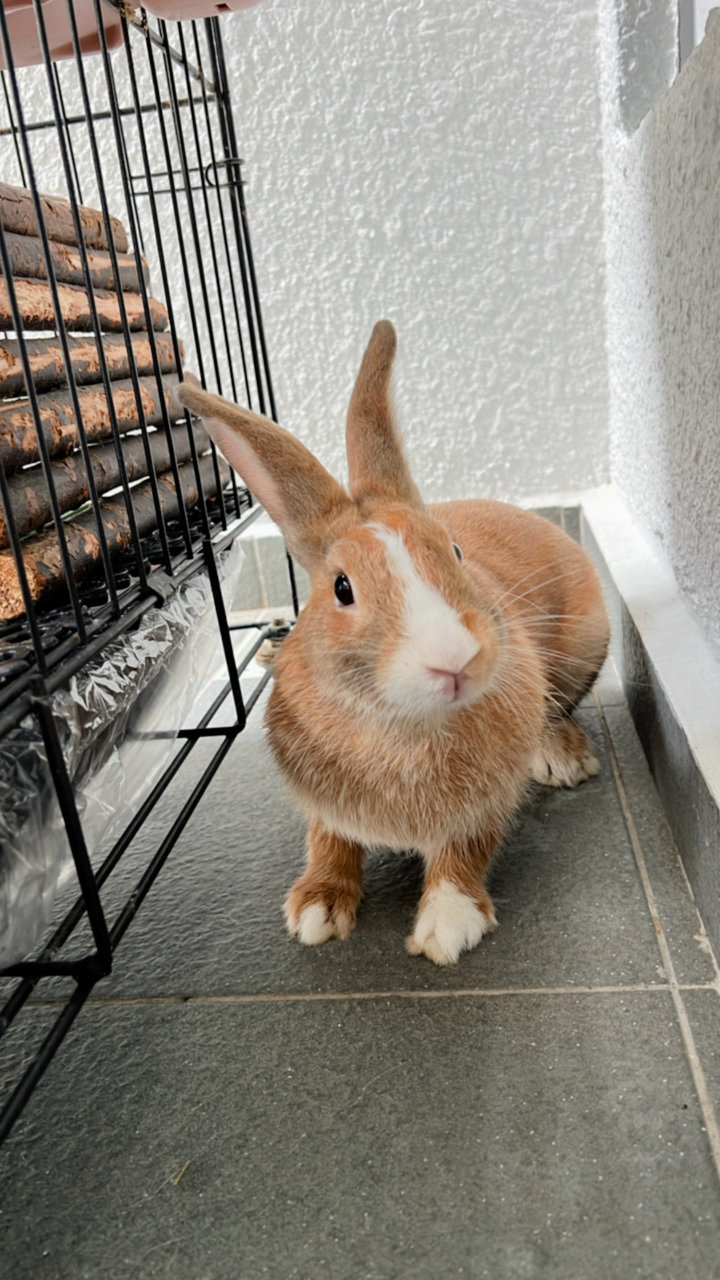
<point x="556" y="768"/>
<point x="449" y="922"/>
<point x="315" y="924"/>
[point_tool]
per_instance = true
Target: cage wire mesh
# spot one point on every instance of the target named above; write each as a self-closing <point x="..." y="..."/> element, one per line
<point x="125" y="259"/>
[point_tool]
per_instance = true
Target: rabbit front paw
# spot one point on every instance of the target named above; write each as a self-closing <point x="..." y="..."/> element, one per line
<point x="448" y="922"/>
<point x="315" y="913"/>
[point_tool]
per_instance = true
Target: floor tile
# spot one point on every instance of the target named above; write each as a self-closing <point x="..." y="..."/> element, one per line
<point x="483" y="1137"/>
<point x="570" y="903"/>
<point x="681" y="924"/>
<point x="703" y="1009"/>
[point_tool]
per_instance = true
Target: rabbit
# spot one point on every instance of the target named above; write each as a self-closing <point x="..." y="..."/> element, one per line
<point x="432" y="673"/>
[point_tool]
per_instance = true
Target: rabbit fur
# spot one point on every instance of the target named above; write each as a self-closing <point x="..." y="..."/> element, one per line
<point x="419" y="692"/>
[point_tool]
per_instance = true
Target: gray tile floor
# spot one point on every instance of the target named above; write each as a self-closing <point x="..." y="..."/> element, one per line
<point x="233" y="1105"/>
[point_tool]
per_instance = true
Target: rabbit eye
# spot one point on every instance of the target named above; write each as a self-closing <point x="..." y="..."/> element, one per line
<point x="457" y="551"/>
<point x="343" y="590"/>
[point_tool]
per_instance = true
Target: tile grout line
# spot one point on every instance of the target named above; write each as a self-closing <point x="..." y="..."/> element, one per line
<point x="712" y="1128"/>
<point x="315" y="997"/>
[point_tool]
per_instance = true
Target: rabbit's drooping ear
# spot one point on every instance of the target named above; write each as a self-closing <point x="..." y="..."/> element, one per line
<point x="377" y="467"/>
<point x="293" y="487"/>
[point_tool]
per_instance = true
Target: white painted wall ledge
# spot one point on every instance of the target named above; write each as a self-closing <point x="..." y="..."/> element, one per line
<point x="676" y="648"/>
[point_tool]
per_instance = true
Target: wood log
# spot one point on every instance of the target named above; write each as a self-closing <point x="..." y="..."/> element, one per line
<point x="28" y="259"/>
<point x="41" y="555"/>
<point x="34" y="301"/>
<point x="18" y="435"/>
<point x="17" y="213"/>
<point x="30" y="496"/>
<point x="45" y="358"/>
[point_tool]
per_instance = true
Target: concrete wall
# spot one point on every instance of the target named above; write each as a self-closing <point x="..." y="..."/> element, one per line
<point x="663" y="317"/>
<point x="441" y="165"/>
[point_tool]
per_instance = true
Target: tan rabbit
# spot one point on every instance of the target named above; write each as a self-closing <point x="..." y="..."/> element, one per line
<point x="431" y="674"/>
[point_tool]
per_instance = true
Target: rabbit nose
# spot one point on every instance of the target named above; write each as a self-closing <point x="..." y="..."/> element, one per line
<point x="452" y="671"/>
<point x="448" y="681"/>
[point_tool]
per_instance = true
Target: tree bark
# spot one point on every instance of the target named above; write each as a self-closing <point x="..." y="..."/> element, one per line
<point x="47" y="368"/>
<point x="35" y="304"/>
<point x="18" y="434"/>
<point x="29" y="492"/>
<point x="17" y="213"/>
<point x="28" y="259"/>
<point x="42" y="558"/>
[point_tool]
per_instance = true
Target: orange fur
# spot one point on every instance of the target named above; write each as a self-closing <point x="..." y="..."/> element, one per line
<point x="333" y="876"/>
<point x="415" y="716"/>
<point x="466" y="866"/>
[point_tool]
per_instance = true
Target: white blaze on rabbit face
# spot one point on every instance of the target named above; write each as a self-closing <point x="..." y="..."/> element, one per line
<point x="428" y="668"/>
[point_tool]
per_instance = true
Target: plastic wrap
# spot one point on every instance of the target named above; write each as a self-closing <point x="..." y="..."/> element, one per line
<point x="117" y="721"/>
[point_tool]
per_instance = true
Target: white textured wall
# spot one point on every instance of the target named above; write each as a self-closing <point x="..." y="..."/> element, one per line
<point x="441" y="165"/>
<point x="451" y="166"/>
<point x="663" y="252"/>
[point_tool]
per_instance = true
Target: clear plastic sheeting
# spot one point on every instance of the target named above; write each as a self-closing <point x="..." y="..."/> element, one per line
<point x="118" y="721"/>
<point x="33" y="841"/>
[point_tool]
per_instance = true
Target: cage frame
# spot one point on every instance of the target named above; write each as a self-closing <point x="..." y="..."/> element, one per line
<point x="28" y="695"/>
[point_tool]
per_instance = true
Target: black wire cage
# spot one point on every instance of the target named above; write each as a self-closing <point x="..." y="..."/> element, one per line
<point x="121" y="523"/>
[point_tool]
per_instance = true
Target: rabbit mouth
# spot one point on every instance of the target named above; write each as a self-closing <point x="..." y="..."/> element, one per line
<point x="432" y="694"/>
<point x="451" y="686"/>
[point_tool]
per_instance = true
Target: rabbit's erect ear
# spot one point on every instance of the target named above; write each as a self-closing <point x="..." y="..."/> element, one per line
<point x="376" y="462"/>
<point x="293" y="487"/>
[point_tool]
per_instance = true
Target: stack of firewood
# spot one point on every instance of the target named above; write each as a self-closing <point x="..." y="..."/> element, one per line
<point x="56" y="418"/>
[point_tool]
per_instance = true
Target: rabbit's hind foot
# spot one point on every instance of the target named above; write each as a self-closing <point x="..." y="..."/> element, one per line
<point x="565" y="757"/>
